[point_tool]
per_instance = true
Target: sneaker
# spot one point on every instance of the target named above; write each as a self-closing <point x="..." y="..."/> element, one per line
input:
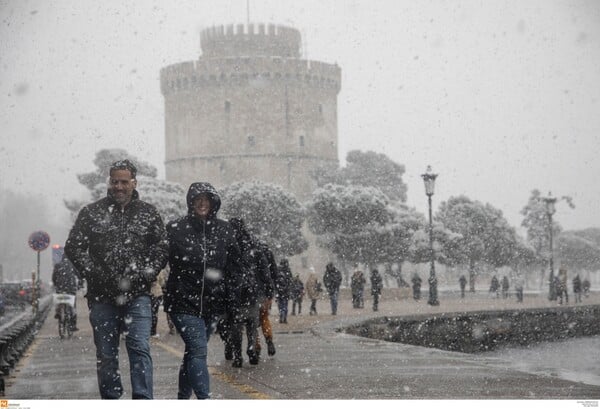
<point x="270" y="348"/>
<point x="237" y="363"/>
<point x="157" y="335"/>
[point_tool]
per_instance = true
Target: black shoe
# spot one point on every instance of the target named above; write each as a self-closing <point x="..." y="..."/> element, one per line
<point x="270" y="348"/>
<point x="74" y="329"/>
<point x="253" y="358"/>
<point x="237" y="363"/>
<point x="228" y="354"/>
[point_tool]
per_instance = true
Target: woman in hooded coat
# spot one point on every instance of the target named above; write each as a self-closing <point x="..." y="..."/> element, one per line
<point x="204" y="258"/>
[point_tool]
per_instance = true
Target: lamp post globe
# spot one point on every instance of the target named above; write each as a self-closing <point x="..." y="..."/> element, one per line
<point x="429" y="180"/>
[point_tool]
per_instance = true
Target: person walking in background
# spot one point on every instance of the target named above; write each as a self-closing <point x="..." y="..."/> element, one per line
<point x="265" y="307"/>
<point x="561" y="288"/>
<point x="119" y="245"/>
<point x="585" y="286"/>
<point x="519" y="284"/>
<point x="495" y="286"/>
<point x="65" y="281"/>
<point x="462" y="281"/>
<point x="357" y="285"/>
<point x="505" y="287"/>
<point x="332" y="280"/>
<point x="283" y="285"/>
<point x="376" y="287"/>
<point x="577" y="288"/>
<point x="313" y="291"/>
<point x="297" y="294"/>
<point x="203" y="284"/>
<point x="416" y="287"/>
<point x="255" y="286"/>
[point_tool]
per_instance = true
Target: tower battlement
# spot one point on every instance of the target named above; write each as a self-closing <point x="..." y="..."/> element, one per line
<point x="210" y="72"/>
<point x="250" y="40"/>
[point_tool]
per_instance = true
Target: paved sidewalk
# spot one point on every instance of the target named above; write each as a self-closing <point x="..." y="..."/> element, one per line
<point x="313" y="361"/>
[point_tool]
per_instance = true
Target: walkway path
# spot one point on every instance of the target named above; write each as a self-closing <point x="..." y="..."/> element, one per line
<point x="313" y="361"/>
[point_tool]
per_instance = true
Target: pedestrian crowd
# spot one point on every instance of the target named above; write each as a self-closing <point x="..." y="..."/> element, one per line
<point x="212" y="276"/>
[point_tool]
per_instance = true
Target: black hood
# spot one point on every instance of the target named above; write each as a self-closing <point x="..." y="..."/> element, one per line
<point x="198" y="188"/>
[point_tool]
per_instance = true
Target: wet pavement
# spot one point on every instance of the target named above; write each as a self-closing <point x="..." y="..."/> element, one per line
<point x="313" y="361"/>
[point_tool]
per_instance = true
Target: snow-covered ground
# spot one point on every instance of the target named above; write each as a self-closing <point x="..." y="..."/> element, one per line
<point x="576" y="359"/>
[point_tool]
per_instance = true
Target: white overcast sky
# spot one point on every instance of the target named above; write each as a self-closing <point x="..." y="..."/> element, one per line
<point x="500" y="97"/>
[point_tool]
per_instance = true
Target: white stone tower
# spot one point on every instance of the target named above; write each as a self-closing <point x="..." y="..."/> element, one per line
<point x="250" y="108"/>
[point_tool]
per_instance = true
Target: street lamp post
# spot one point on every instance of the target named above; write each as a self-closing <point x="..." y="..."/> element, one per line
<point x="550" y="210"/>
<point x="429" y="179"/>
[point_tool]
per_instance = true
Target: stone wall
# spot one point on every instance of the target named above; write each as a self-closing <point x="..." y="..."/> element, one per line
<point x="484" y="330"/>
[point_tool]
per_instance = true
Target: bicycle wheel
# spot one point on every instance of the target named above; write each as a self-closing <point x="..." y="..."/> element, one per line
<point x="62" y="321"/>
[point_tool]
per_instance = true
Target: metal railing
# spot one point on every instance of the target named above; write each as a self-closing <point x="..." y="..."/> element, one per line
<point x="17" y="335"/>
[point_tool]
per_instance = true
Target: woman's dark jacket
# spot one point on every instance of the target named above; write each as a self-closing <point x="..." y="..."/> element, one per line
<point x="118" y="252"/>
<point x="205" y="261"/>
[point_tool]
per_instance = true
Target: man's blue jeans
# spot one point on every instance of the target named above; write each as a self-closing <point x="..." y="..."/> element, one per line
<point x="133" y="319"/>
<point x="333" y="298"/>
<point x="193" y="372"/>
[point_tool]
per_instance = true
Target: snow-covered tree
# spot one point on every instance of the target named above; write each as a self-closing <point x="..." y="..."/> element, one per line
<point x="367" y="169"/>
<point x="350" y="221"/>
<point x="592" y="234"/>
<point x="486" y="236"/>
<point x="577" y="253"/>
<point x="446" y="245"/>
<point x="272" y="214"/>
<point x="536" y="222"/>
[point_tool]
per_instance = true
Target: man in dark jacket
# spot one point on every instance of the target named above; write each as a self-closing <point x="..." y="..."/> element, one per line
<point x="332" y="280"/>
<point x="118" y="245"/>
<point x="283" y="285"/>
<point x="203" y="285"/>
<point x="65" y="281"/>
<point x="255" y="286"/>
<point x="376" y="287"/>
